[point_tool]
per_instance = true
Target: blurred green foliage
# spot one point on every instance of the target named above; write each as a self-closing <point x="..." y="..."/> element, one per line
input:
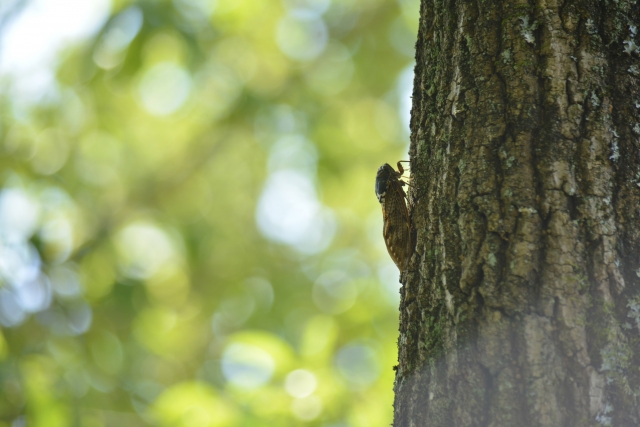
<point x="188" y="229"/>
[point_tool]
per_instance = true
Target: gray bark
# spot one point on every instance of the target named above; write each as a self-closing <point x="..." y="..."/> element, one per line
<point x="521" y="303"/>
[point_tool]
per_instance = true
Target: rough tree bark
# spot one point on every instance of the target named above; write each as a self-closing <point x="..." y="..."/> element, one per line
<point x="521" y="304"/>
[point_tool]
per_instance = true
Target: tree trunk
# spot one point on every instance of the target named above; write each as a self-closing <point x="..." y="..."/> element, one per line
<point x="521" y="303"/>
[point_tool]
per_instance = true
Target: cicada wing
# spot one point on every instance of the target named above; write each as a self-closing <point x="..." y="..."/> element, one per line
<point x="397" y="231"/>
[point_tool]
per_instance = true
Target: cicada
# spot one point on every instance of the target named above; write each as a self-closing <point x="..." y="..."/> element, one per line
<point x="396" y="222"/>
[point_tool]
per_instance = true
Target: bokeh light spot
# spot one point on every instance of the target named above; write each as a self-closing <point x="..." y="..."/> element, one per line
<point x="332" y="72"/>
<point x="19" y="214"/>
<point x="293" y="152"/>
<point x="262" y="292"/>
<point x="319" y="334"/>
<point x="164" y="88"/>
<point x="300" y="383"/>
<point x="31" y="42"/>
<point x="289" y="212"/>
<point x="34" y="295"/>
<point x="232" y="313"/>
<point x="98" y="158"/>
<point x="302" y="36"/>
<point x="389" y="278"/>
<point x="311" y="7"/>
<point x="193" y="404"/>
<point x="143" y="249"/>
<point x="334" y="292"/>
<point x="107" y="352"/>
<point x="247" y="366"/>
<point x="358" y="364"/>
<point x="307" y="408"/>
<point x="405" y="91"/>
<point x="11" y="312"/>
<point x="220" y="86"/>
<point x="122" y="30"/>
<point x="169" y="332"/>
<point x="52" y="150"/>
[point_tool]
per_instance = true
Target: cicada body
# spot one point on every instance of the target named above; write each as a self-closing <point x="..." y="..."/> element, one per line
<point x="396" y="223"/>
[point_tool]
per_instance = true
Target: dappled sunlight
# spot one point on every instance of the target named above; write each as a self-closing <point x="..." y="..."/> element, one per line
<point x="189" y="234"/>
<point x="30" y="45"/>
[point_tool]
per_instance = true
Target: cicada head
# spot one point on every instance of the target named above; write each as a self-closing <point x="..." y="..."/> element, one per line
<point x="385" y="173"/>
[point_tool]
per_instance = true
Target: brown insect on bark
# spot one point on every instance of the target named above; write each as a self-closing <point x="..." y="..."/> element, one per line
<point x="396" y="223"/>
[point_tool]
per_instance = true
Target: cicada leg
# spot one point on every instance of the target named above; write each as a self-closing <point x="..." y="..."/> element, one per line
<point x="400" y="168"/>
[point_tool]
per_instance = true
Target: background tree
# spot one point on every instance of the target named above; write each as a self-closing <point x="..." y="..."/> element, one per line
<point x="521" y="306"/>
<point x="189" y="234"/>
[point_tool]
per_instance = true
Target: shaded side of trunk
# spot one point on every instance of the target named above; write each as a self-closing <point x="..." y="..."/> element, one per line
<point x="521" y="305"/>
